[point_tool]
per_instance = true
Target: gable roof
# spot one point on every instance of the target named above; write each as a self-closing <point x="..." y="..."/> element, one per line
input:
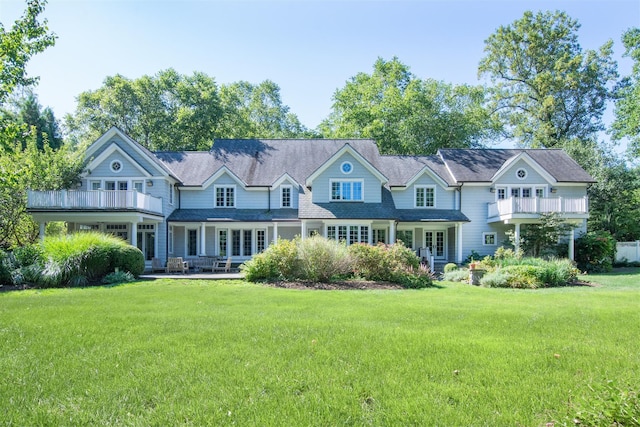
<point x="481" y="165"/>
<point x="262" y="162"/>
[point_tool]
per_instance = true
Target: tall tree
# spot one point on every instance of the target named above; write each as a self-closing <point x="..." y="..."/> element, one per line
<point x="407" y="115"/>
<point x="25" y="112"/>
<point x="26" y="37"/>
<point x="167" y="111"/>
<point x="256" y="111"/>
<point x="627" y="121"/>
<point x="547" y="89"/>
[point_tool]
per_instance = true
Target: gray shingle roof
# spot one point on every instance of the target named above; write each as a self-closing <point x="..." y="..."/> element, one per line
<point x="480" y="165"/>
<point x="260" y="162"/>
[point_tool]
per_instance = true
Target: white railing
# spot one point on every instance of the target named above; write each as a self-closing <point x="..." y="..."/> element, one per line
<point x="538" y="205"/>
<point x="97" y="199"/>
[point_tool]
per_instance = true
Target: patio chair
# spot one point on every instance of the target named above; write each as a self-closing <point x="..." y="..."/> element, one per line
<point x="226" y="267"/>
<point x="156" y="265"/>
<point x="177" y="265"/>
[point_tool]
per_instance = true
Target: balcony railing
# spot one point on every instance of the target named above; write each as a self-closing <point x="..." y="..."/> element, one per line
<point x="538" y="205"/>
<point x="97" y="199"/>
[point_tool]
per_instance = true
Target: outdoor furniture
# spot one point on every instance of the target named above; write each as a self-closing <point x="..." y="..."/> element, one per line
<point x="207" y="263"/>
<point x="177" y="265"/>
<point x="226" y="267"/>
<point x="156" y="265"/>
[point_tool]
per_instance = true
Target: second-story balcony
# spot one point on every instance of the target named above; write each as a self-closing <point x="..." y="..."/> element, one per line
<point x="114" y="200"/>
<point x="532" y="207"/>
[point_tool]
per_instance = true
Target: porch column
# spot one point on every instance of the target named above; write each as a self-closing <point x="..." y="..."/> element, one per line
<point x="517" y="237"/>
<point x="392" y="232"/>
<point x="156" y="237"/>
<point x="275" y="232"/>
<point x="43" y="226"/>
<point x="134" y="234"/>
<point x="459" y="242"/>
<point x="303" y="229"/>
<point x="572" y="245"/>
<point x="203" y="238"/>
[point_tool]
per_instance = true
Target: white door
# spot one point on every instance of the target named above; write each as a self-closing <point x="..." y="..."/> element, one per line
<point x="435" y="241"/>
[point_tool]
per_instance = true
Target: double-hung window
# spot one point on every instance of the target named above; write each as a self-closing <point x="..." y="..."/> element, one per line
<point x="225" y="196"/>
<point x="346" y="191"/>
<point x="425" y="196"/>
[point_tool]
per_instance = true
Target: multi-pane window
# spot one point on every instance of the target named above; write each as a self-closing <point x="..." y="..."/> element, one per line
<point x="261" y="240"/>
<point x="515" y="192"/>
<point x="346" y="190"/>
<point x="425" y="196"/>
<point x="246" y="242"/>
<point x="502" y="193"/>
<point x="235" y="242"/>
<point x="95" y="185"/>
<point x="285" y="196"/>
<point x="349" y="233"/>
<point x="137" y="185"/>
<point x="192" y="242"/>
<point x="379" y="235"/>
<point x="406" y="237"/>
<point x="222" y="243"/>
<point x="539" y="192"/>
<point x="225" y="197"/>
<point x="489" y="239"/>
<point x="525" y="192"/>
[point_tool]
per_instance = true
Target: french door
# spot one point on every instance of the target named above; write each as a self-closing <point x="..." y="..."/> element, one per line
<point x="435" y="241"/>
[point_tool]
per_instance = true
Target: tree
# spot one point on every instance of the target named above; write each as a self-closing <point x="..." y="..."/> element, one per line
<point x="542" y="238"/>
<point x="25" y="112"/>
<point x="167" y="111"/>
<point x="627" y="111"/>
<point x="547" y="89"/>
<point x="34" y="168"/>
<point x="256" y="111"/>
<point x="406" y="115"/>
<point x="27" y="37"/>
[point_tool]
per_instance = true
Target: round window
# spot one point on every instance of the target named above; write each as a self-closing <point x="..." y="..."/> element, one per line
<point x="346" y="167"/>
<point x="521" y="173"/>
<point x="116" y="166"/>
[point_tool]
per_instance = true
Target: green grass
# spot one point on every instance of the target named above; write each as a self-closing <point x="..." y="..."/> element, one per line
<point x="188" y="352"/>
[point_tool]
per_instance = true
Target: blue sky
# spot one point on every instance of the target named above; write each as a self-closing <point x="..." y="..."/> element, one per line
<point x="309" y="48"/>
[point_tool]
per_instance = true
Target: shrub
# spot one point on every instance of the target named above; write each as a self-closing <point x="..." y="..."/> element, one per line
<point x="322" y="259"/>
<point x="371" y="262"/>
<point x="595" y="251"/>
<point x="129" y="258"/>
<point x="608" y="405"/>
<point x="278" y="262"/>
<point x="28" y="255"/>
<point x="495" y="279"/>
<point x="450" y="267"/>
<point x="5" y="269"/>
<point x="118" y="277"/>
<point x="461" y="275"/>
<point x="411" y="278"/>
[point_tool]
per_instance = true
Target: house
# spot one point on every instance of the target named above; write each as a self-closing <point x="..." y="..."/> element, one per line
<point x="240" y="196"/>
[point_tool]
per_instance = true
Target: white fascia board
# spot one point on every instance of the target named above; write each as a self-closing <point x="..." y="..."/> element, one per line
<point x="433" y="175"/>
<point x="528" y="160"/>
<point x="346" y="149"/>
<point x="282" y="179"/>
<point x="115" y="149"/>
<point x="223" y="170"/>
<point x="126" y="138"/>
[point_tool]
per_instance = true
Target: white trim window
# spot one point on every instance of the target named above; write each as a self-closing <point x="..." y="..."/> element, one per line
<point x="286" y="192"/>
<point x="347" y="190"/>
<point x="349" y="233"/>
<point x="225" y="196"/>
<point x="425" y="196"/>
<point x="490" y="239"/>
<point x="172" y="196"/>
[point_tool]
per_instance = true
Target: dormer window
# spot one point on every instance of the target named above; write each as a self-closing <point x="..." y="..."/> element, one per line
<point x="225" y="196"/>
<point x="285" y="196"/>
<point x="346" y="191"/>
<point x="425" y="196"/>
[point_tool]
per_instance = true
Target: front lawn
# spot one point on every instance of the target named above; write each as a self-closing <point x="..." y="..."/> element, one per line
<point x="189" y="352"/>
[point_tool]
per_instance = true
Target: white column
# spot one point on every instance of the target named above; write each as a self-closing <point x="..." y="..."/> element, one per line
<point x="572" y="245"/>
<point x="275" y="232"/>
<point x="459" y="242"/>
<point x="156" y="235"/>
<point x="303" y="230"/>
<point x="43" y="226"/>
<point x="392" y="232"/>
<point x="517" y="236"/>
<point x="203" y="239"/>
<point x="134" y="234"/>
